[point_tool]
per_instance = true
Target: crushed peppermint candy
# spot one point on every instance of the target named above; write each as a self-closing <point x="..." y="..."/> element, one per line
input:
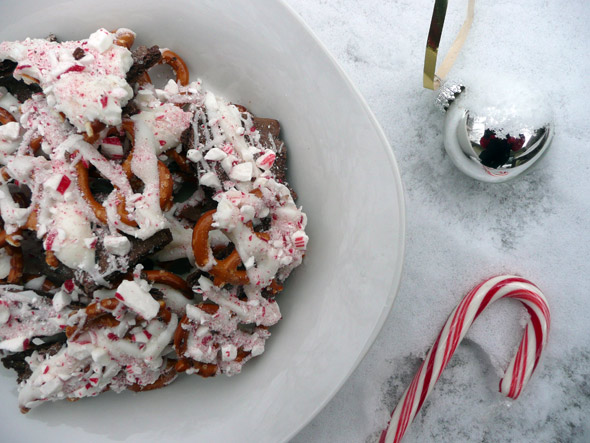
<point x="106" y="160"/>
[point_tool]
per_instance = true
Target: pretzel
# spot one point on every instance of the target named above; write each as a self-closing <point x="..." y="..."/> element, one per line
<point x="46" y="286"/>
<point x="234" y="324"/>
<point x="225" y="270"/>
<point x="180" y="345"/>
<point x="173" y="60"/>
<point x="166" y="182"/>
<point x="6" y="117"/>
<point x="170" y="279"/>
<point x="16" y="264"/>
<point x="35" y="143"/>
<point x="97" y="315"/>
<point x="100" y="315"/>
<point x="9" y="238"/>
<point x="168" y="375"/>
<point x="124" y="38"/>
<point x="51" y="259"/>
<point x="99" y="210"/>
<point x="16" y="259"/>
<point x="93" y="130"/>
<point x="178" y="159"/>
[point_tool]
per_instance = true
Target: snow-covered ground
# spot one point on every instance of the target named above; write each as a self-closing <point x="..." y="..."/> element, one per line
<point x="460" y="231"/>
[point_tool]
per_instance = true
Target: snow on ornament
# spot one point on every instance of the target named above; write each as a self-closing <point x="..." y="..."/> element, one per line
<point x="491" y="142"/>
<point x="496" y="128"/>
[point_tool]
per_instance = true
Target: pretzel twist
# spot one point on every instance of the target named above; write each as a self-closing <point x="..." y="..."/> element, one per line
<point x="166" y="182"/>
<point x="225" y="270"/>
<point x="13" y="247"/>
<point x="168" y="375"/>
<point x="93" y="130"/>
<point x="173" y="60"/>
<point x="180" y="345"/>
<point x="124" y="38"/>
<point x="16" y="264"/>
<point x="169" y="279"/>
<point x="16" y="259"/>
<point x="6" y="117"/>
<point x="100" y="315"/>
<point x="99" y="210"/>
<point x="178" y="159"/>
<point x="51" y="259"/>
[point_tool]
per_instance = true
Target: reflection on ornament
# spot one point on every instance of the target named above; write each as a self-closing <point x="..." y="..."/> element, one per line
<point x="493" y="147"/>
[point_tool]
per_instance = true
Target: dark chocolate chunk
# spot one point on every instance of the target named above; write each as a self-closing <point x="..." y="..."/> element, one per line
<point x="22" y="368"/>
<point x="18" y="88"/>
<point x="78" y="53"/>
<point x="179" y="266"/>
<point x="267" y="127"/>
<point x="130" y="109"/>
<point x="113" y="268"/>
<point x="7" y="67"/>
<point x="193" y="278"/>
<point x="187" y="138"/>
<point x="51" y="38"/>
<point x="142" y="248"/>
<point x="193" y="213"/>
<point x="157" y="294"/>
<point x="143" y="59"/>
<point x="34" y="260"/>
<point x="270" y="131"/>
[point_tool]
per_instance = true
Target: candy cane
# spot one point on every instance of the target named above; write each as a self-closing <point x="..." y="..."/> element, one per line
<point x="520" y="368"/>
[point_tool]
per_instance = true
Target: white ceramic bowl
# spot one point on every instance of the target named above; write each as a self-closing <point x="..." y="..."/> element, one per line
<point x="261" y="55"/>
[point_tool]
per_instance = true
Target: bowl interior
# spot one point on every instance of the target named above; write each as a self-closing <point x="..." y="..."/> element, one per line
<point x="340" y="164"/>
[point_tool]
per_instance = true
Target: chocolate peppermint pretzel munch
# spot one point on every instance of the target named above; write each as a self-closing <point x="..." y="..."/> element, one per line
<point x="144" y="231"/>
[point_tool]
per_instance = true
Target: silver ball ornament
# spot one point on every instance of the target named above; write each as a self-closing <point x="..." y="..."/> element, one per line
<point x="494" y="137"/>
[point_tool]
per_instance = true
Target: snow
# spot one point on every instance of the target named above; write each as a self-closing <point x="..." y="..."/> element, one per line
<point x="460" y="231"/>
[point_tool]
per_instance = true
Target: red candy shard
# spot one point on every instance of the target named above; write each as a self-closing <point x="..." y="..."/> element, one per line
<point x="69" y="285"/>
<point x="64" y="184"/>
<point x="112" y="141"/>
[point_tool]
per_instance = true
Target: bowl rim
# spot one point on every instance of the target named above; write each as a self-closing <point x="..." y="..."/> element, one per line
<point x="399" y="191"/>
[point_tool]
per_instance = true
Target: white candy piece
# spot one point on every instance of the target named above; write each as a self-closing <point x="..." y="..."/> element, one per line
<point x="137" y="299"/>
<point x="228" y="352"/>
<point x="61" y="300"/>
<point x="241" y="172"/>
<point x="13" y="344"/>
<point x="215" y="154"/>
<point x="4" y="314"/>
<point x="10" y="131"/>
<point x="100" y="40"/>
<point x="194" y="155"/>
<point x="210" y="179"/>
<point x="300" y="239"/>
<point x="4" y="263"/>
<point x="117" y="244"/>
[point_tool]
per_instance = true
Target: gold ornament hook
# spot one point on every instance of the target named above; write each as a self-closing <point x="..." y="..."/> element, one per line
<point x="433" y="78"/>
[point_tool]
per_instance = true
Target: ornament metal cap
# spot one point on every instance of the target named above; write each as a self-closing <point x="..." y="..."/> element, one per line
<point x="447" y="94"/>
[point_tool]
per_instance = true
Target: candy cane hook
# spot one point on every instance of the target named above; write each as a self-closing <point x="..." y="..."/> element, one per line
<point x="520" y="368"/>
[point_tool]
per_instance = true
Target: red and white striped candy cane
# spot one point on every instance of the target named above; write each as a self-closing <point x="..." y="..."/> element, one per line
<point x="520" y="368"/>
